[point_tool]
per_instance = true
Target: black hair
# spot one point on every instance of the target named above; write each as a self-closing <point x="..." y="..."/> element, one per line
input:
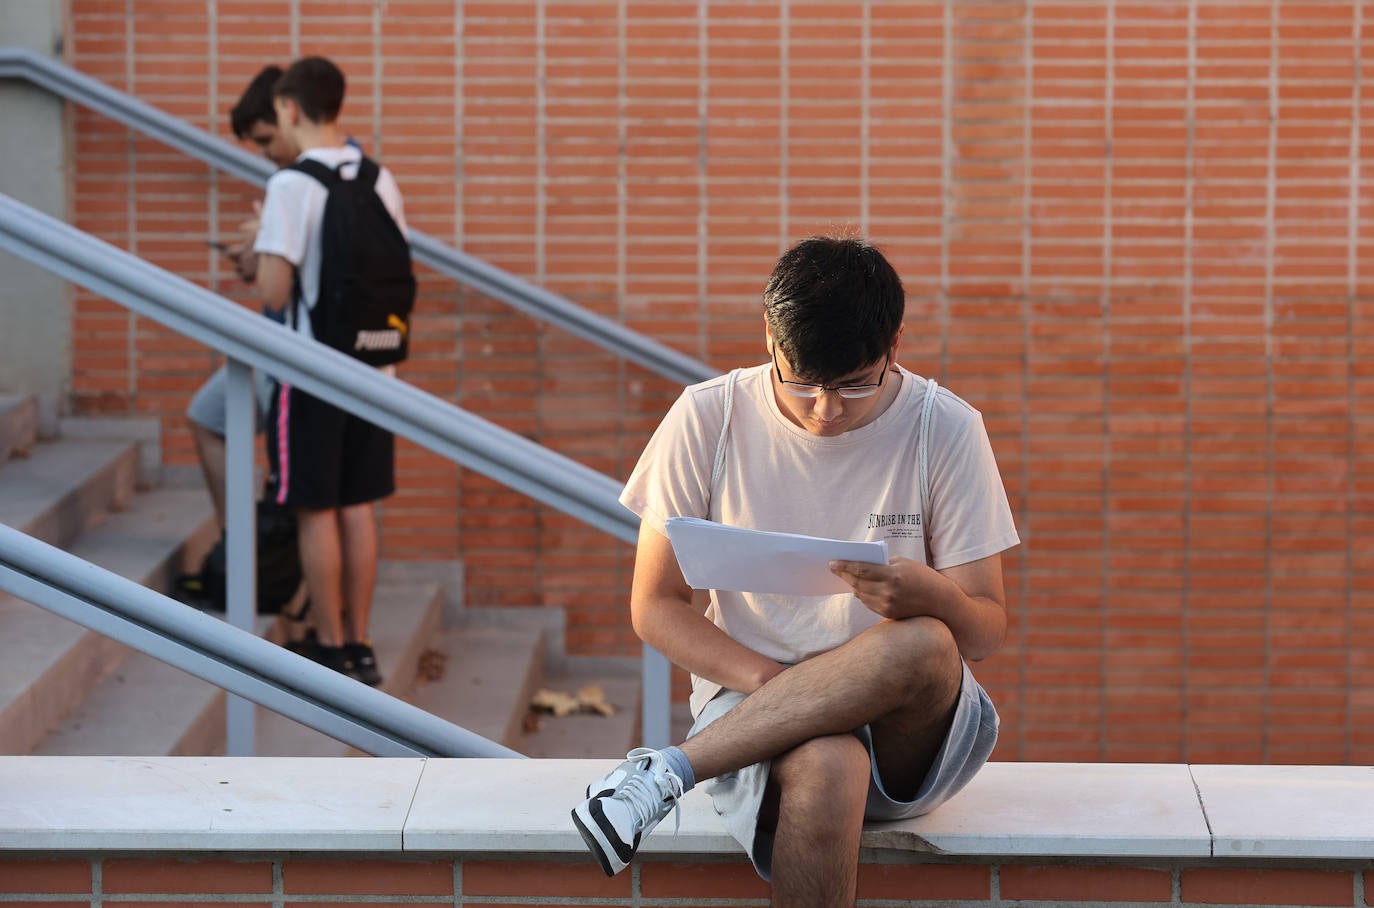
<point x="255" y="103"/>
<point x="317" y="87"/>
<point x="833" y="305"/>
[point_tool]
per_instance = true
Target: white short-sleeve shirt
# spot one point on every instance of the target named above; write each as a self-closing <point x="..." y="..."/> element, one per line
<point x="862" y="484"/>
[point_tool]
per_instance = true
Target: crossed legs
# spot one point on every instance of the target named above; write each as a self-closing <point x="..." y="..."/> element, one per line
<point x="902" y="679"/>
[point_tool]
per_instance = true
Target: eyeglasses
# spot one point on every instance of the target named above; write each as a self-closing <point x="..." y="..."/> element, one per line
<point x="848" y="392"/>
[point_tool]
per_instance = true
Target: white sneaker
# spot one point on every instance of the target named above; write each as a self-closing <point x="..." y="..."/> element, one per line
<point x="626" y="804"/>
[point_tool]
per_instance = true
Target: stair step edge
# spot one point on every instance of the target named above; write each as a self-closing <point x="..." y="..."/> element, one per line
<point x="65" y="488"/>
<point x="146" y="543"/>
<point x="489" y="675"/>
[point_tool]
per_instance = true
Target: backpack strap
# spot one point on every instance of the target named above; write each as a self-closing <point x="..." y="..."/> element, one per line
<point x="327" y="176"/>
<point x="368" y="171"/>
<point x="718" y="467"/>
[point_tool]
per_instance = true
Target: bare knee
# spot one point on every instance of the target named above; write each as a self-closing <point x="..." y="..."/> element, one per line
<point x="922" y="656"/>
<point x="828" y="770"/>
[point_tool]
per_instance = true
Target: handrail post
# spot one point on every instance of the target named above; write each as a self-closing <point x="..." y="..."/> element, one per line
<point x="241" y="568"/>
<point x="656" y="700"/>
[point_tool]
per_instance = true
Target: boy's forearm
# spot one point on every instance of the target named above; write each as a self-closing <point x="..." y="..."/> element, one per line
<point x="978" y="623"/>
<point x="275" y="276"/>
<point x="690" y="641"/>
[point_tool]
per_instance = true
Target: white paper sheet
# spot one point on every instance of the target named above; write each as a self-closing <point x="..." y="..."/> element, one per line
<point x="714" y="556"/>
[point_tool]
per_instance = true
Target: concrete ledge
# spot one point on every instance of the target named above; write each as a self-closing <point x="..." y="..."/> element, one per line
<point x="204" y="803"/>
<point x="1289" y="811"/>
<point x="1047" y="810"/>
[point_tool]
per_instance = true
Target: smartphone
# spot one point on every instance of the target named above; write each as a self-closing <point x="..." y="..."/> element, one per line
<point x="216" y="244"/>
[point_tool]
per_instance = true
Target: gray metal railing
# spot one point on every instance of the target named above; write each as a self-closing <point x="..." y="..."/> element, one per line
<point x="252" y="341"/>
<point x="247" y="337"/>
<point x="236" y="660"/>
<point x="65" y="82"/>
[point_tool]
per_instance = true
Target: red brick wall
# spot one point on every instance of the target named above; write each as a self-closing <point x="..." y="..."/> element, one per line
<point x="191" y="880"/>
<point x="1132" y="234"/>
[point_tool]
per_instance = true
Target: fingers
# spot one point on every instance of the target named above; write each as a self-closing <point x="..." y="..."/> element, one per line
<point x="859" y="570"/>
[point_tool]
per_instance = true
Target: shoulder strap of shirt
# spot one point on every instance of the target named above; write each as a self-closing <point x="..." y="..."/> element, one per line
<point x="718" y="467"/>
<point x="922" y="463"/>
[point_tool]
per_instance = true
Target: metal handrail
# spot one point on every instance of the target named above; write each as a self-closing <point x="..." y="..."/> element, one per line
<point x="335" y="377"/>
<point x="61" y="80"/>
<point x="235" y="660"/>
<point x="163" y="628"/>
<point x="474" y="446"/>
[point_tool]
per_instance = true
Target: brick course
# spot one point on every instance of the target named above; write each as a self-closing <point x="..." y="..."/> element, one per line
<point x="554" y="880"/>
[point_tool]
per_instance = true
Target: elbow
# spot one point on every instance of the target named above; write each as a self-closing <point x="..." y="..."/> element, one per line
<point x="639" y="623"/>
<point x="987" y="644"/>
<point x="652" y="626"/>
<point x="275" y="302"/>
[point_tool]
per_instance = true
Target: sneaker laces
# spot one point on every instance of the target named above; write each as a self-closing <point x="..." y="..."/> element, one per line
<point x="645" y="792"/>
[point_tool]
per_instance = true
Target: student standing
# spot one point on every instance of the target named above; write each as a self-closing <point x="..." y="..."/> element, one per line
<point x="329" y="465"/>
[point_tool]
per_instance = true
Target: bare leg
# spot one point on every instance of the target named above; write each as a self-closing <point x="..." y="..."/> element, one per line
<point x="322" y="564"/>
<point x="906" y="672"/>
<point x="210" y="449"/>
<point x="900" y="677"/>
<point x="298" y="626"/>
<point x="823" y="786"/>
<point x="358" y="530"/>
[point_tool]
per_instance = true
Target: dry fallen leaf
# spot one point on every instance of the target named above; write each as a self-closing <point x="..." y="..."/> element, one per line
<point x="593" y="699"/>
<point x="430" y="666"/>
<point x="589" y="699"/>
<point x="555" y="701"/>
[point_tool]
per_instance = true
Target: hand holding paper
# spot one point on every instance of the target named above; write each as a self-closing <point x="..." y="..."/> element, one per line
<point x="719" y="557"/>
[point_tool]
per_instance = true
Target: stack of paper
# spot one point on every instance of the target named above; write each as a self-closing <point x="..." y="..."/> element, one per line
<point x="714" y="556"/>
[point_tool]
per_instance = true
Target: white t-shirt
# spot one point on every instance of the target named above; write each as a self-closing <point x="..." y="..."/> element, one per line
<point x="293" y="211"/>
<point x="862" y="485"/>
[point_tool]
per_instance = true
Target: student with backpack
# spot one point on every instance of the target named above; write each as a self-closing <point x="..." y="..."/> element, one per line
<point x="332" y="254"/>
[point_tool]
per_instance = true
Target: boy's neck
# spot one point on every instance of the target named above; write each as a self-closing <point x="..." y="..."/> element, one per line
<point x="310" y="136"/>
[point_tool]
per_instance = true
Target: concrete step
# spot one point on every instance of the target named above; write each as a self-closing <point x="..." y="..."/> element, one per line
<point x="66" y="487"/>
<point x="405" y="622"/>
<point x="586" y="735"/>
<point x="18" y="425"/>
<point x="145" y="431"/>
<point x="489" y="673"/>
<point x="148" y="708"/>
<point x="144" y="708"/>
<point x="48" y="665"/>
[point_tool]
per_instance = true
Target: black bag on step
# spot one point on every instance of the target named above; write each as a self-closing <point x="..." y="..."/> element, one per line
<point x="279" y="564"/>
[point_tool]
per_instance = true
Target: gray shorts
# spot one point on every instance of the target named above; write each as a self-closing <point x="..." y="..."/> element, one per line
<point x="737" y="796"/>
<point x="208" y="409"/>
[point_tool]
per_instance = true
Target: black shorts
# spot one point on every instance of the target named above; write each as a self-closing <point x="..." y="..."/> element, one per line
<point x="324" y="457"/>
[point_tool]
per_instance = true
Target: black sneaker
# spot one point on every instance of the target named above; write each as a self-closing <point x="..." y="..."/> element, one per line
<point x="364" y="663"/>
<point x="336" y="658"/>
<point x="308" y="646"/>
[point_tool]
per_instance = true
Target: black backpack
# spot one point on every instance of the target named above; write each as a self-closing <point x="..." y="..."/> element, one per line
<point x="278" y="562"/>
<point x="367" y="285"/>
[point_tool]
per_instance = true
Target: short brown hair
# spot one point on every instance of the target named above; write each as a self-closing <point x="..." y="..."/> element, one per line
<point x="256" y="102"/>
<point x="317" y="87"/>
